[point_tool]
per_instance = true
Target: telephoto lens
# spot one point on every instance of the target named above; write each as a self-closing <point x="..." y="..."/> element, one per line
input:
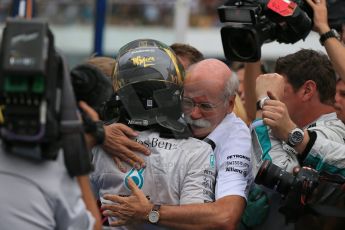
<point x="273" y="177"/>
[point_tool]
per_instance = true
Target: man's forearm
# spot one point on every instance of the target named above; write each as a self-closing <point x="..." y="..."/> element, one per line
<point x="300" y="147"/>
<point x="336" y="52"/>
<point x="89" y="199"/>
<point x="252" y="71"/>
<point x="225" y="213"/>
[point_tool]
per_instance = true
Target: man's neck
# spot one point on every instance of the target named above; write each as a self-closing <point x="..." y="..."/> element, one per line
<point x="312" y="115"/>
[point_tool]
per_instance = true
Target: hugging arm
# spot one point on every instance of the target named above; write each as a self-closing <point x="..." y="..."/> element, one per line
<point x="224" y="213"/>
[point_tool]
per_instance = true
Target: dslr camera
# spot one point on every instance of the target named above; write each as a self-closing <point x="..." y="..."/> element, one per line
<point x="306" y="192"/>
<point x="271" y="176"/>
<point x="250" y="23"/>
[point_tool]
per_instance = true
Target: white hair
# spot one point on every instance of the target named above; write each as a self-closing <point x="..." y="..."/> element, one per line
<point x="231" y="85"/>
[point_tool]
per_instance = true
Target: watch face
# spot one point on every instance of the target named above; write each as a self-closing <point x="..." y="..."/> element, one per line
<point x="296" y="136"/>
<point x="260" y="103"/>
<point x="336" y="34"/>
<point x="153" y="217"/>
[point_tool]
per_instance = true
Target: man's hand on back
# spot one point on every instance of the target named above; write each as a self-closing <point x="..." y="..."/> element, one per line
<point x="118" y="144"/>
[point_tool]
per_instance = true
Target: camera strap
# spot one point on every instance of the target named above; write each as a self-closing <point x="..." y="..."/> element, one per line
<point x="77" y="158"/>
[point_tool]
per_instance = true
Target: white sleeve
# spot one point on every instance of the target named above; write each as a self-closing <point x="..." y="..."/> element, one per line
<point x="234" y="166"/>
<point x="327" y="154"/>
<point x="267" y="147"/>
<point x="199" y="180"/>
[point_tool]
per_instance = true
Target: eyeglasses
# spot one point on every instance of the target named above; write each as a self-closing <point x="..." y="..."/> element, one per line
<point x="189" y="104"/>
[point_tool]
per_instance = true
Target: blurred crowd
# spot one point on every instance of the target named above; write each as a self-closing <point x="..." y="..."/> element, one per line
<point x="122" y="12"/>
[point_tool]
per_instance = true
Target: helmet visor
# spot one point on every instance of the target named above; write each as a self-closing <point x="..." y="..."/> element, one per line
<point x="151" y="63"/>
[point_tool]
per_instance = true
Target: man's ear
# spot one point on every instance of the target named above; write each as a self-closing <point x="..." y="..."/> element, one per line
<point x="309" y="89"/>
<point x="231" y="102"/>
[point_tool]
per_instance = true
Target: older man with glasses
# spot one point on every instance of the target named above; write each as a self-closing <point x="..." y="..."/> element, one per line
<point x="209" y="96"/>
<point x="208" y="101"/>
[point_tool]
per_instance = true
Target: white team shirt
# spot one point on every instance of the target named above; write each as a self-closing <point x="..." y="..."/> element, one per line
<point x="233" y="152"/>
<point x="178" y="171"/>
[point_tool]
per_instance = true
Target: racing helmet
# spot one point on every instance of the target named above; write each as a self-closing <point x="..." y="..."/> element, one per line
<point x="148" y="80"/>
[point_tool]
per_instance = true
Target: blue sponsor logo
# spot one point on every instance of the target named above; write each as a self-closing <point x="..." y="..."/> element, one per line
<point x="212" y="161"/>
<point x="136" y="176"/>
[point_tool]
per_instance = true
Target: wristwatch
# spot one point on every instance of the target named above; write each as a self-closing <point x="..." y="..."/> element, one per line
<point x="330" y="34"/>
<point x="99" y="133"/>
<point x="295" y="137"/>
<point x="260" y="103"/>
<point x="154" y="214"/>
<point x="95" y="128"/>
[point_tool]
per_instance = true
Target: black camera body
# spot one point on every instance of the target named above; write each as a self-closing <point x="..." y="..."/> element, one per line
<point x="309" y="191"/>
<point x="30" y="89"/>
<point x="249" y="24"/>
<point x="273" y="177"/>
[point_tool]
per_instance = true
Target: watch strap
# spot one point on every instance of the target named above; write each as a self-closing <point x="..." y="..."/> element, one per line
<point x="312" y="138"/>
<point x="260" y="103"/>
<point x="329" y="34"/>
<point x="156" y="207"/>
<point x="99" y="133"/>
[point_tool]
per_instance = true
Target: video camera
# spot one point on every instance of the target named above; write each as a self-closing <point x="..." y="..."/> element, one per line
<point x="31" y="102"/>
<point x="250" y="23"/>
<point x="299" y="190"/>
<point x="38" y="113"/>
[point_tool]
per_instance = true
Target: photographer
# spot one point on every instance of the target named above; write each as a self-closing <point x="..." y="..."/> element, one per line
<point x="303" y="127"/>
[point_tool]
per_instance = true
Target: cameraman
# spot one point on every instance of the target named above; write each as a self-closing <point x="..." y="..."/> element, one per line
<point x="43" y="158"/>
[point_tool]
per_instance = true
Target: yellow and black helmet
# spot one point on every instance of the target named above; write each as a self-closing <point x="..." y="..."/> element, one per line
<point x="148" y="80"/>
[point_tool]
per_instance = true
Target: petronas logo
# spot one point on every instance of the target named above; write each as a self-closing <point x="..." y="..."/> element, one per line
<point x="136" y="176"/>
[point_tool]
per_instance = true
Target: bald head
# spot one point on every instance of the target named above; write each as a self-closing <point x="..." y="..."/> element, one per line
<point x="202" y="70"/>
<point x="212" y="74"/>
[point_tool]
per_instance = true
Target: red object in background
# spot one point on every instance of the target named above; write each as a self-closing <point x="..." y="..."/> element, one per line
<point x="282" y="7"/>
